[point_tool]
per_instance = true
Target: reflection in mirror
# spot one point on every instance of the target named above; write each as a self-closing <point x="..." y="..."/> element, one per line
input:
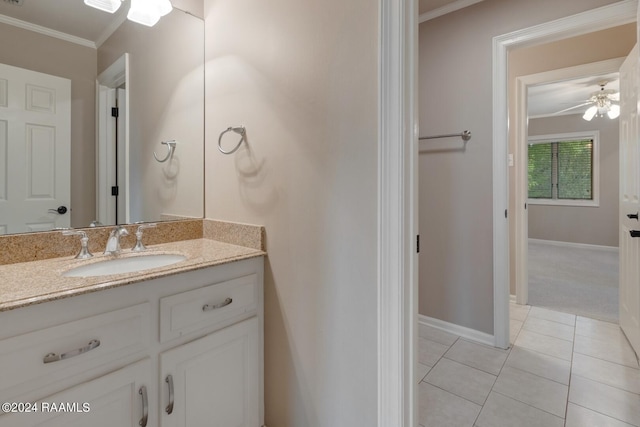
<point x="86" y="98"/>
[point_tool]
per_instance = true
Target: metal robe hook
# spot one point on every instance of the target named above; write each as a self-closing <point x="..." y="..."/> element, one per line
<point x="240" y="130"/>
<point x="172" y="147"/>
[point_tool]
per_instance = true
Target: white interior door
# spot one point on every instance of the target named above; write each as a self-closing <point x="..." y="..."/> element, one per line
<point x="35" y="150"/>
<point x="629" y="291"/>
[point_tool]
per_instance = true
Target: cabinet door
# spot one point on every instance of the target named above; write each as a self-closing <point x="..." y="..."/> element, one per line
<point x="215" y="379"/>
<point x="115" y="399"/>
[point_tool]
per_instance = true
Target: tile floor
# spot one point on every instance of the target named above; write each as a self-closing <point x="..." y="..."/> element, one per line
<point x="562" y="370"/>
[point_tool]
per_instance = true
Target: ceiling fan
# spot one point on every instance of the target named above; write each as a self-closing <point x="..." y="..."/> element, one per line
<point x="602" y="102"/>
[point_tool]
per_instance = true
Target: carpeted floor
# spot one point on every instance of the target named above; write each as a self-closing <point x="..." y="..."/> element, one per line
<point x="580" y="281"/>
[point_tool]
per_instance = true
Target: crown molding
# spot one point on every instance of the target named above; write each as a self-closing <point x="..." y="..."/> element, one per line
<point x="451" y="7"/>
<point x="46" y="31"/>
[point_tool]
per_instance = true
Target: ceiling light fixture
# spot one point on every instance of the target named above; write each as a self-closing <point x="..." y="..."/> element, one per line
<point x="602" y="104"/>
<point x="106" y="5"/>
<point x="148" y="12"/>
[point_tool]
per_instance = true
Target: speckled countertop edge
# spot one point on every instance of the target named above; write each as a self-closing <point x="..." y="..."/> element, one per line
<point x="29" y="283"/>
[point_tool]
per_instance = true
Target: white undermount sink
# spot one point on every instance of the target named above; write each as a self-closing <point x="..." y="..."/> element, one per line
<point x="130" y="264"/>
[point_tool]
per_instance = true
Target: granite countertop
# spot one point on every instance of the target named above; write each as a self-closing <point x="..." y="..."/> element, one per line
<point x="34" y="282"/>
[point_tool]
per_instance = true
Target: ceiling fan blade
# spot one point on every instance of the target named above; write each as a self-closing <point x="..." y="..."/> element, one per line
<point x="571" y="108"/>
<point x="615" y="96"/>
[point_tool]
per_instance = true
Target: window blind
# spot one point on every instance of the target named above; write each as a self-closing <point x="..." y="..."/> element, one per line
<point x="561" y="170"/>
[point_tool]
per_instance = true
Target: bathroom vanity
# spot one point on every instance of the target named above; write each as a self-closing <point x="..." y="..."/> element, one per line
<point x="175" y="346"/>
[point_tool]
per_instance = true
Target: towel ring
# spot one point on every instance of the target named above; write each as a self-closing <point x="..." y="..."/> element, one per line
<point x="171" y="145"/>
<point x="240" y="130"/>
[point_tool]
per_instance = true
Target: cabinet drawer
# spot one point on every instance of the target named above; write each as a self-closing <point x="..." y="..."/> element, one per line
<point x="48" y="355"/>
<point x="189" y="311"/>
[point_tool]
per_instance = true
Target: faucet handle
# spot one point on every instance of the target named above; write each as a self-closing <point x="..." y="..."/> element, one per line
<point x="139" y="247"/>
<point x="84" y="243"/>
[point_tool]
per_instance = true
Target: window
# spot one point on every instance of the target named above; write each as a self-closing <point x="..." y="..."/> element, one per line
<point x="563" y="169"/>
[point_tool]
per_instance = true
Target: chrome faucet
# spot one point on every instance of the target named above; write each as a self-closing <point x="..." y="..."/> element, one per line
<point x="113" y="244"/>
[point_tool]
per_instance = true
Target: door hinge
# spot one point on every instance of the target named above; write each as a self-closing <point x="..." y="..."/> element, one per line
<point x="418" y="244"/>
<point x="114" y="112"/>
<point x="505" y="213"/>
<point x="114" y="190"/>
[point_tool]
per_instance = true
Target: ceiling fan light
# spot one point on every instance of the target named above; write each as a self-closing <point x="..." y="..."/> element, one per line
<point x="614" y="112"/>
<point x="590" y="113"/>
<point x="145" y="12"/>
<point x="105" y="5"/>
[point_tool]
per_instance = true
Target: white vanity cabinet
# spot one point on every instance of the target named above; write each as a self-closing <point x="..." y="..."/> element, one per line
<point x="213" y="381"/>
<point x="117" y="399"/>
<point x="193" y="341"/>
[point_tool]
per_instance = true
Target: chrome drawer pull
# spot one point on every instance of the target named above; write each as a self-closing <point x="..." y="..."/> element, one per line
<point x="169" y="408"/>
<point x="53" y="357"/>
<point x="209" y="307"/>
<point x="145" y="407"/>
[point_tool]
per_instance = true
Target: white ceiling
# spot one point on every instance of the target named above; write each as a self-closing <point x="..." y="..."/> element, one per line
<point x="547" y="99"/>
<point x="72" y="17"/>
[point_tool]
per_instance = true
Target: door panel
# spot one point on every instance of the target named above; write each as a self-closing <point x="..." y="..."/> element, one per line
<point x="629" y="289"/>
<point x="35" y="150"/>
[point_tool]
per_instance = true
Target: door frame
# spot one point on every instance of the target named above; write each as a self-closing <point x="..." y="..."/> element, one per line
<point x="521" y="217"/>
<point x="113" y="77"/>
<point x="601" y="18"/>
<point x="397" y="212"/>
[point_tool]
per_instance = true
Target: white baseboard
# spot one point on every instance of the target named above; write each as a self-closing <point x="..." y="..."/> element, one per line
<point x="462" y="331"/>
<point x="574" y="245"/>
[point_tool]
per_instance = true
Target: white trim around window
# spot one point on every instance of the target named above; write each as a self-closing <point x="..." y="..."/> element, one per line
<point x="595" y="186"/>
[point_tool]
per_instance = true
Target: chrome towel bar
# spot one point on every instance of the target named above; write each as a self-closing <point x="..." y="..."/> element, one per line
<point x="465" y="135"/>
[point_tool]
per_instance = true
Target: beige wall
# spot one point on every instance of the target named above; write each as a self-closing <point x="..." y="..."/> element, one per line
<point x="37" y="52"/>
<point x="615" y="42"/>
<point x="456" y="200"/>
<point x="302" y="78"/>
<point x="581" y="224"/>
<point x="166" y="94"/>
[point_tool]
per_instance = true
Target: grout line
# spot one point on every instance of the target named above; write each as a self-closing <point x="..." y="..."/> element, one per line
<point x="604" y="360"/>
<point x="601" y="413"/>
<point x="525" y="403"/>
<point x="573" y="345"/>
<point x="540" y="376"/>
<point x="606" y="385"/>
<point x="452" y="393"/>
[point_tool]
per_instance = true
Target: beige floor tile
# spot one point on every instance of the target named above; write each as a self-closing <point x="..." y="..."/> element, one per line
<point x="549" y="328"/>
<point x="543" y="365"/>
<point x="577" y="416"/>
<point x="461" y="380"/>
<point x="533" y="390"/>
<point x="602" y="371"/>
<point x="607" y="400"/>
<point x="429" y="352"/>
<point x="477" y="356"/>
<point x="502" y="411"/>
<point x="518" y="312"/>
<point x="421" y="371"/>
<point x="439" y="408"/>
<point x="434" y="334"/>
<point x="545" y="344"/>
<point x="554" y="316"/>
<point x="612" y="349"/>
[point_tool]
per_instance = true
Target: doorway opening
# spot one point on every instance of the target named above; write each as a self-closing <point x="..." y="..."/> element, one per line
<point x="595" y="20"/>
<point x="565" y="175"/>
<point x="112" y="168"/>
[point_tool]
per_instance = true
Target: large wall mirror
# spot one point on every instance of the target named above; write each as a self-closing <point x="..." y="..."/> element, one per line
<point x="101" y="118"/>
